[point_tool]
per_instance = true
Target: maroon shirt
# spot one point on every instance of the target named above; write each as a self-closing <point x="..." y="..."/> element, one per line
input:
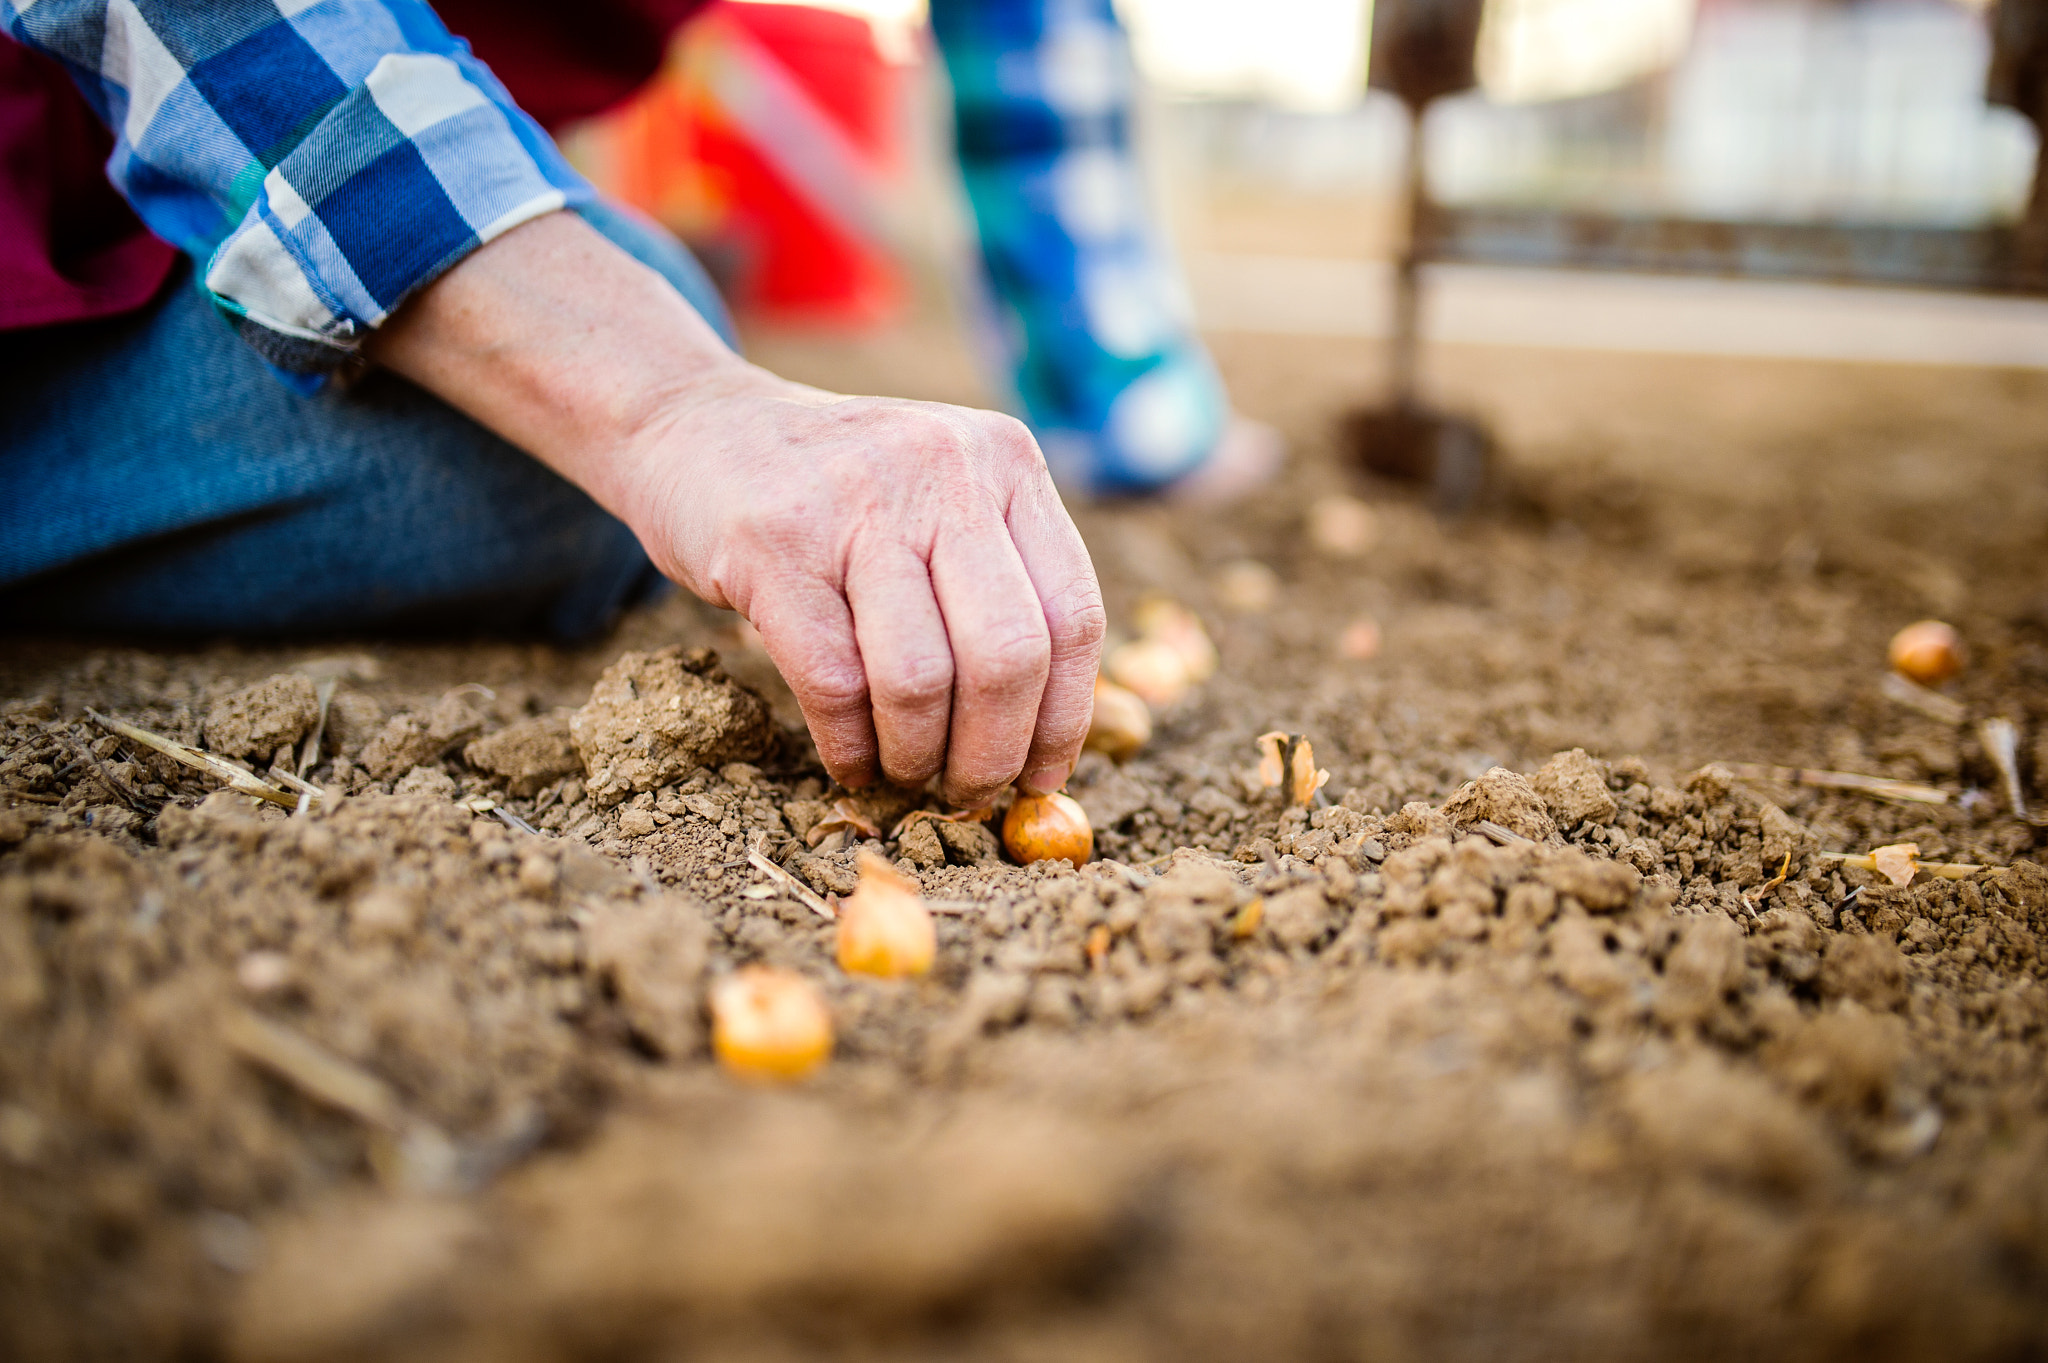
<point x="69" y="246"/>
<point x="71" y="249"/>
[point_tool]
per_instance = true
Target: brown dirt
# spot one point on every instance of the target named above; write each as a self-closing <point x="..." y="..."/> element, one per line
<point x="396" y="1079"/>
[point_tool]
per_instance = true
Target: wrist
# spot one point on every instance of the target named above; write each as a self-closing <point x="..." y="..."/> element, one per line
<point x="556" y="339"/>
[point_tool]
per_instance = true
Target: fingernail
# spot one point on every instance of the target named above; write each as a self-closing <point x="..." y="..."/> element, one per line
<point x="1046" y="780"/>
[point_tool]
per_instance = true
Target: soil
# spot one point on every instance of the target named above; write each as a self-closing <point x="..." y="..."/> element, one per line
<point x="1542" y="1036"/>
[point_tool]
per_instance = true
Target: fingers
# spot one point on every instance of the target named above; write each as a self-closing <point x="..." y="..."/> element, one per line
<point x="808" y="632"/>
<point x="1063" y="578"/>
<point x="903" y="641"/>
<point x="1000" y="655"/>
<point x="950" y="622"/>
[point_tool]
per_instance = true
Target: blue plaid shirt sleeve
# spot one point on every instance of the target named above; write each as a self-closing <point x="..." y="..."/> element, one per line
<point x="1081" y="294"/>
<point x="319" y="159"/>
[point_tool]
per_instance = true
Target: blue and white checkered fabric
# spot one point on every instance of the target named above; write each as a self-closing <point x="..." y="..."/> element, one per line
<point x="321" y="159"/>
<point x="1084" y="301"/>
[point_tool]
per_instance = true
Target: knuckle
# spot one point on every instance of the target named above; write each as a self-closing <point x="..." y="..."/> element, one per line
<point x="833" y="689"/>
<point x="1013" y="442"/>
<point x="1075" y="616"/>
<point x="915" y="683"/>
<point x="1079" y="626"/>
<point x="1006" y="662"/>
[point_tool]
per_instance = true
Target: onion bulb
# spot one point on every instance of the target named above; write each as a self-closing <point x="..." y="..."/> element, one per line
<point x="1153" y="669"/>
<point x="1928" y="652"/>
<point x="1343" y="527"/>
<point x="1246" y="586"/>
<point x="1122" y="722"/>
<point x="1360" y="641"/>
<point x="1047" y="828"/>
<point x="1160" y="620"/>
<point x="769" y="1024"/>
<point x="884" y="927"/>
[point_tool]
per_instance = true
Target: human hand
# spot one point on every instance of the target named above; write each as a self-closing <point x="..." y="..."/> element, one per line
<point x="909" y="565"/>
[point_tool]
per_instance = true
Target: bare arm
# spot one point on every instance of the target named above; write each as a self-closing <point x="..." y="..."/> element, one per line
<point x="909" y="565"/>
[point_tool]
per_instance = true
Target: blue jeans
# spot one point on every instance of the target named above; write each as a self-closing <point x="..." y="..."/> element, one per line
<point x="156" y="477"/>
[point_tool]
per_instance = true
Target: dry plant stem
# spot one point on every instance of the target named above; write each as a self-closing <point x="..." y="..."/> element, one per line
<point x="802" y="893"/>
<point x="2001" y="740"/>
<point x="233" y="775"/>
<point x="1750" y="901"/>
<point x="314" y="1071"/>
<point x="514" y="822"/>
<point x="32" y="797"/>
<point x="307" y="791"/>
<point x="296" y="783"/>
<point x="309" y="755"/>
<point x="1942" y="870"/>
<point x="100" y="772"/>
<point x="1905" y="792"/>
<point x="1504" y="836"/>
<point x="1911" y="694"/>
<point x="406" y="1151"/>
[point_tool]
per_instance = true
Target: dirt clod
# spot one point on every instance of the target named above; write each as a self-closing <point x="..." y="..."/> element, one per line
<point x="655" y="717"/>
<point x="256" y="721"/>
<point x="529" y="754"/>
<point x="1503" y="797"/>
<point x="407" y="741"/>
<point x="1574" y="788"/>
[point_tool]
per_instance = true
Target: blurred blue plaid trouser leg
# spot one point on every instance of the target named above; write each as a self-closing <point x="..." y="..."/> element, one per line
<point x="155" y="477"/>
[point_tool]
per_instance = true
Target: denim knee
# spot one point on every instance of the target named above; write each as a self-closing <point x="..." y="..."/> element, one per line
<point x="155" y="477"/>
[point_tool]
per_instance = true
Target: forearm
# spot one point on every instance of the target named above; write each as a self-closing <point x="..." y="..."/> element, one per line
<point x="909" y="565"/>
<point x="566" y="346"/>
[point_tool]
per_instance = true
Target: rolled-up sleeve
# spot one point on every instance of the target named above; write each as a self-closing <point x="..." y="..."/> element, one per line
<point x="319" y="160"/>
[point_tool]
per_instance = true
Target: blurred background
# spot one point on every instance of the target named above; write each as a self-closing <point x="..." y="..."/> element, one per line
<point x="1821" y="179"/>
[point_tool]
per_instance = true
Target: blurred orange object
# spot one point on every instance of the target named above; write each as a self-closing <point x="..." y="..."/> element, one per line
<point x="767" y="142"/>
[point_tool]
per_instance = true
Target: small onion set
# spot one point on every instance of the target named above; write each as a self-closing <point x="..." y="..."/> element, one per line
<point x="1047" y="828"/>
<point x="1928" y="652"/>
<point x="1171" y="656"/>
<point x="1122" y="723"/>
<point x="884" y="927"/>
<point x="769" y="1025"/>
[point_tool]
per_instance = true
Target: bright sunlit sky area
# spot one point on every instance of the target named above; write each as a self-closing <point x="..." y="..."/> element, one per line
<point x="1771" y="108"/>
<point x="1312" y="54"/>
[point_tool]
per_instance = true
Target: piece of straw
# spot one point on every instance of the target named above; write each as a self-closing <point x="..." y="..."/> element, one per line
<point x="1943" y="870"/>
<point x="309" y="755"/>
<point x="802" y="893"/>
<point x="237" y="779"/>
<point x="2001" y="739"/>
<point x="406" y="1151"/>
<point x="100" y="772"/>
<point x="1911" y="694"/>
<point x="314" y="1071"/>
<point x="1884" y="788"/>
